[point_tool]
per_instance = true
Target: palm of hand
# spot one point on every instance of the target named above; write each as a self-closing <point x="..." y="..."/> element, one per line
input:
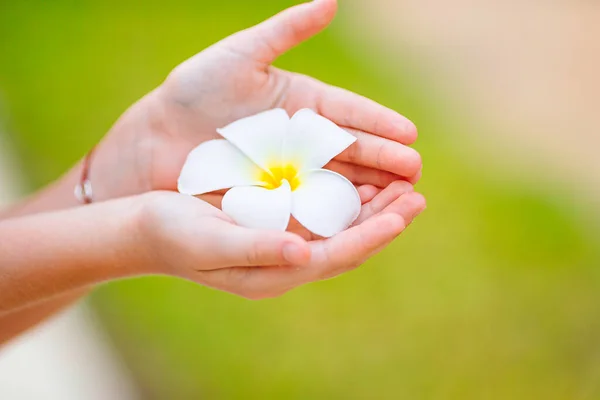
<point x="207" y="92"/>
<point x="234" y="79"/>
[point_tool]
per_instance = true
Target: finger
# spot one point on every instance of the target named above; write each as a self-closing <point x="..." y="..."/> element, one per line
<point x="349" y="250"/>
<point x="408" y="206"/>
<point x="273" y="37"/>
<point x="385" y="198"/>
<point x="238" y="246"/>
<point x="404" y="207"/>
<point x="367" y="193"/>
<point x="360" y="175"/>
<point x="330" y="257"/>
<point x="382" y="154"/>
<point x="415" y="179"/>
<point x="350" y="246"/>
<point x="354" y="111"/>
<point x="253" y="283"/>
<point x="341" y="252"/>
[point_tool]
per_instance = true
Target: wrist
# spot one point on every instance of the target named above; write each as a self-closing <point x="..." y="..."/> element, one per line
<point x="74" y="249"/>
<point x="143" y="232"/>
<point x="126" y="250"/>
<point x="122" y="162"/>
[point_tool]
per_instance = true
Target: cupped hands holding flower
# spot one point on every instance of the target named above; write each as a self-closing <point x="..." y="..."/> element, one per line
<point x="234" y="108"/>
<point x="274" y="165"/>
<point x="333" y="168"/>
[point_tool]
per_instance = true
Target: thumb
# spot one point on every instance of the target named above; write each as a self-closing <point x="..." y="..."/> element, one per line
<point x="254" y="247"/>
<point x="273" y="37"/>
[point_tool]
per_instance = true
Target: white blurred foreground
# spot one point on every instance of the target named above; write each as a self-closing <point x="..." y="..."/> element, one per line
<point x="67" y="357"/>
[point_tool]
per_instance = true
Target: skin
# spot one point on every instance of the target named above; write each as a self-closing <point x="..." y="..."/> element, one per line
<point x="162" y="232"/>
<point x="234" y="79"/>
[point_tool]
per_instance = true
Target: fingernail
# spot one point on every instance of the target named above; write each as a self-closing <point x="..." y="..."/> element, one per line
<point x="292" y="253"/>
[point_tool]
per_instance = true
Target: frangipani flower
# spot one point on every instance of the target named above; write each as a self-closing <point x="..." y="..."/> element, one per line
<point x="273" y="165"/>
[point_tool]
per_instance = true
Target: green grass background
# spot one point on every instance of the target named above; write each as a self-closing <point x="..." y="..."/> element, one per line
<point x="493" y="294"/>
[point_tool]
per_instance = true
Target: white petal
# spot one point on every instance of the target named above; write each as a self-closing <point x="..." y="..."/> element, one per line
<point x="259" y="208"/>
<point x="260" y="136"/>
<point x="325" y="202"/>
<point x="312" y="140"/>
<point x="215" y="165"/>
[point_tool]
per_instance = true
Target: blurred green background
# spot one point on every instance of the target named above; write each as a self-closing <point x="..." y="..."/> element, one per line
<point x="494" y="293"/>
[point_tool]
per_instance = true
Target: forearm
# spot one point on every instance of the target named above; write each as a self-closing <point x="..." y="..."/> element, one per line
<point x="49" y="254"/>
<point x="114" y="171"/>
<point x="56" y="196"/>
<point x="59" y="195"/>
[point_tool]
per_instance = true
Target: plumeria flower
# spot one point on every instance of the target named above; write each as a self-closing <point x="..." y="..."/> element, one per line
<point x="273" y="165"/>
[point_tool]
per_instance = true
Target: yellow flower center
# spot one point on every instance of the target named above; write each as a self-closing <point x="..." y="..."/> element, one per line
<point x="277" y="174"/>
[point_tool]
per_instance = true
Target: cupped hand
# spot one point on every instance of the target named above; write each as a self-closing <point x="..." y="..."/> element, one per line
<point x="233" y="79"/>
<point x="190" y="238"/>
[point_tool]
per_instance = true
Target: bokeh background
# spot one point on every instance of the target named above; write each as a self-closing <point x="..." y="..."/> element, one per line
<point x="494" y="293"/>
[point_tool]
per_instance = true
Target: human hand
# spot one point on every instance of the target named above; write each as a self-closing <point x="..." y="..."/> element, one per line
<point x="234" y="79"/>
<point x="189" y="238"/>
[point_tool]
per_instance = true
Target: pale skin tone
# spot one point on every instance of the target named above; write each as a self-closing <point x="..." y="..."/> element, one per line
<point x="52" y="250"/>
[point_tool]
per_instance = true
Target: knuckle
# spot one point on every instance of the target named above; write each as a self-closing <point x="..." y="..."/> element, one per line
<point x="379" y="160"/>
<point x="377" y="124"/>
<point x="349" y="118"/>
<point x="253" y="256"/>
